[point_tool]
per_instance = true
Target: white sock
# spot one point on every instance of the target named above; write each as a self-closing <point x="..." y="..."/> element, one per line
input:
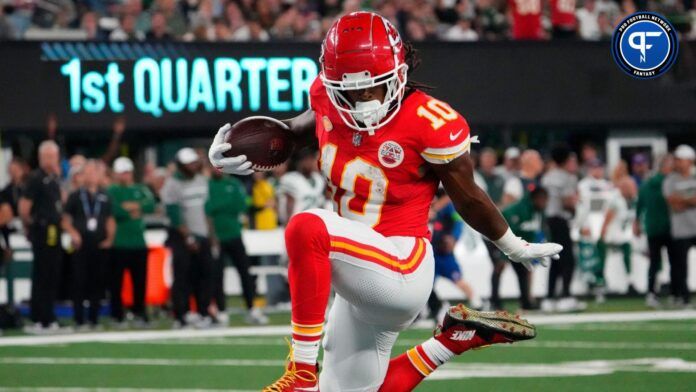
<point x="305" y="352"/>
<point x="436" y="351"/>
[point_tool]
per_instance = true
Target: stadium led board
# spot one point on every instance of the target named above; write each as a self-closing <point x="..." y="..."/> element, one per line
<point x="87" y="84"/>
<point x="196" y="87"/>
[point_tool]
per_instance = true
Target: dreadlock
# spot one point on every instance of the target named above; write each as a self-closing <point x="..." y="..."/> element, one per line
<point x="413" y="61"/>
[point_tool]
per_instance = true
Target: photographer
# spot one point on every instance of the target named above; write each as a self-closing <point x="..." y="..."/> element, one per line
<point x="88" y="221"/>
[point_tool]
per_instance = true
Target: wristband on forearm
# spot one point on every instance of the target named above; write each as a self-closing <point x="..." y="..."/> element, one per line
<point x="509" y="242"/>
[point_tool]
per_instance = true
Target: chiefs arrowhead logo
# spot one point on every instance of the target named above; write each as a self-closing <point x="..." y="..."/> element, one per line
<point x="390" y="154"/>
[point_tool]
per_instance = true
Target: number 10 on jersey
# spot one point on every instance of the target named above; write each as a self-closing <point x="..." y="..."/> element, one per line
<point x="362" y="187"/>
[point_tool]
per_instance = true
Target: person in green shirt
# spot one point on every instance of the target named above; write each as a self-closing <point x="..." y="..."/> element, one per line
<point x="652" y="216"/>
<point x="227" y="202"/>
<point x="526" y="217"/>
<point x="130" y="201"/>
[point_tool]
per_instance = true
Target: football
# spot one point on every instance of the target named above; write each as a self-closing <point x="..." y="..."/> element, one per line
<point x="265" y="141"/>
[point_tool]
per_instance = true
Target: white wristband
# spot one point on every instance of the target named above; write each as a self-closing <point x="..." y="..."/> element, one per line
<point x="509" y="242"/>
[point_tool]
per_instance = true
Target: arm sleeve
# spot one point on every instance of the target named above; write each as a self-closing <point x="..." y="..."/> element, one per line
<point x="288" y="186"/>
<point x="170" y="198"/>
<point x="174" y="214"/>
<point x="443" y="140"/>
<point x="31" y="188"/>
<point x="667" y="187"/>
<point x="119" y="213"/>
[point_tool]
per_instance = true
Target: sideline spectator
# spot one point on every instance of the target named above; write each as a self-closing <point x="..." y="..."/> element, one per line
<point x="519" y="184"/>
<point x="130" y="201"/>
<point x="225" y="207"/>
<point x="679" y="189"/>
<point x="264" y="203"/>
<point x="640" y="168"/>
<point x="184" y="195"/>
<point x="447" y="228"/>
<point x="561" y="183"/>
<point x="619" y="216"/>
<point x="511" y="163"/>
<point x="87" y="219"/>
<point x="652" y="216"/>
<point x="526" y="217"/>
<point x="9" y="197"/>
<point x="594" y="193"/>
<point x="517" y="187"/>
<point x="40" y="208"/>
<point x="304" y="188"/>
<point x="486" y="169"/>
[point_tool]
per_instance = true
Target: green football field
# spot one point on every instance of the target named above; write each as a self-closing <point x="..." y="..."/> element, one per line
<point x="614" y="353"/>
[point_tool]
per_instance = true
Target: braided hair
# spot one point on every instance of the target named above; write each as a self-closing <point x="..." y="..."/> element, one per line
<point x="413" y="61"/>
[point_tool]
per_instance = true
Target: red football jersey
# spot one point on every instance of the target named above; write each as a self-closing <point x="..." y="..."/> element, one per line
<point x="563" y="13"/>
<point x="383" y="179"/>
<point x="526" y="19"/>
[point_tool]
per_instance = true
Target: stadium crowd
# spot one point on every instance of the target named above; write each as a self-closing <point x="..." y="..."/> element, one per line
<point x="102" y="210"/>
<point x="308" y="20"/>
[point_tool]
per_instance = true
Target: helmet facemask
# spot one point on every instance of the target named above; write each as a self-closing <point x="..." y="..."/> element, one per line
<point x="371" y="115"/>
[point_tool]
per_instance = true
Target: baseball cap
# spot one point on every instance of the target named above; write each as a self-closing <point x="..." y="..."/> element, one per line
<point x="685" y="152"/>
<point x="639" y="158"/>
<point x="595" y="162"/>
<point x="512" y="153"/>
<point x="122" y="165"/>
<point x="186" y="155"/>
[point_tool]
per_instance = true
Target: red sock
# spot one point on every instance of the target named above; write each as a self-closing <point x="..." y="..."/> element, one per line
<point x="309" y="276"/>
<point x="402" y="376"/>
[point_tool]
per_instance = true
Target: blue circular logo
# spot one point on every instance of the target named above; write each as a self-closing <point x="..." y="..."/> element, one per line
<point x="644" y="45"/>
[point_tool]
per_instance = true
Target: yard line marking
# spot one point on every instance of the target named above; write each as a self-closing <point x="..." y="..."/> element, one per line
<point x="136" y="336"/>
<point x="139" y="361"/>
<point x="447" y="372"/>
<point x="593" y="345"/>
<point x="455" y="371"/>
<point x="549" y="319"/>
<point x="625" y="327"/>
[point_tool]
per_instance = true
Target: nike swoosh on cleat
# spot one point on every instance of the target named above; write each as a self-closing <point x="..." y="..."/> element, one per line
<point x="455" y="135"/>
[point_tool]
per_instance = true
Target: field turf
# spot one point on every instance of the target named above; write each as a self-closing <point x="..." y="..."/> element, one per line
<point x="648" y="355"/>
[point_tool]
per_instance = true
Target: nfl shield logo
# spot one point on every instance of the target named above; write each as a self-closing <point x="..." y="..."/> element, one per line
<point x="357" y="139"/>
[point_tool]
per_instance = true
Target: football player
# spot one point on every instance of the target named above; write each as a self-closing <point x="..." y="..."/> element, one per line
<point x="385" y="146"/>
<point x="303" y="188"/>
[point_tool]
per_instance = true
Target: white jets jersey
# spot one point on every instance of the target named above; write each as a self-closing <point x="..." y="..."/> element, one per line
<point x="593" y="197"/>
<point x="308" y="192"/>
<point x="619" y="230"/>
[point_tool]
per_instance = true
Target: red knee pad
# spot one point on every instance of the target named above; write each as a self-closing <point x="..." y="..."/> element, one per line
<point x="306" y="232"/>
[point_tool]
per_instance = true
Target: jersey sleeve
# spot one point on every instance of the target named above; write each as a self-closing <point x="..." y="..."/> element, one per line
<point x="288" y="186"/>
<point x="446" y="133"/>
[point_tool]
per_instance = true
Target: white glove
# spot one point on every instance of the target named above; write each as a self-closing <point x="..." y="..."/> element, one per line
<point x="233" y="165"/>
<point x="521" y="251"/>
